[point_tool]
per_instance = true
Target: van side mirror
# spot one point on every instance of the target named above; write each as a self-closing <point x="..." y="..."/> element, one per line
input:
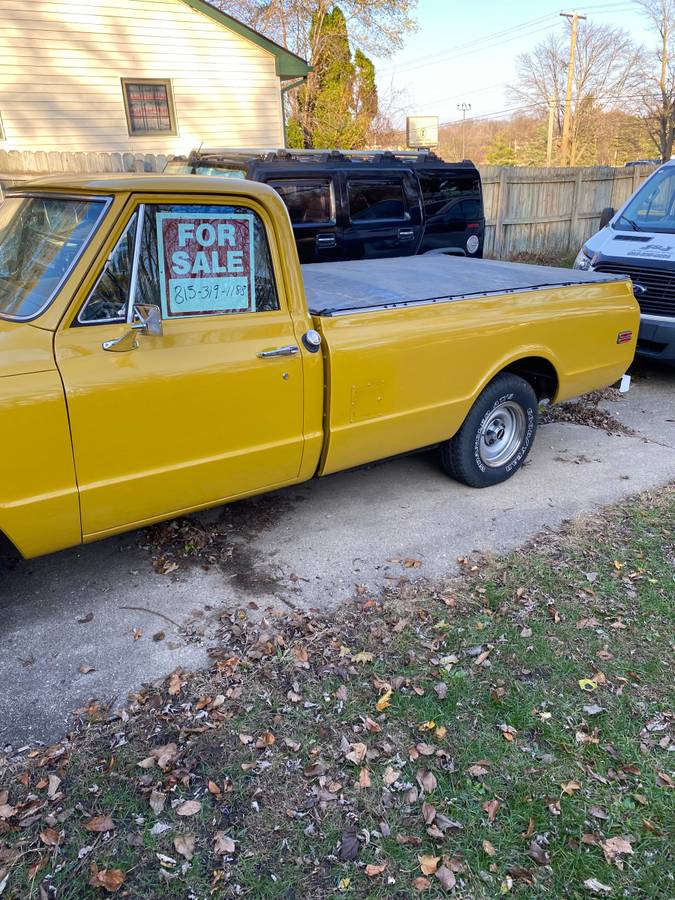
<point x="606" y="216"/>
<point x="147" y="319"/>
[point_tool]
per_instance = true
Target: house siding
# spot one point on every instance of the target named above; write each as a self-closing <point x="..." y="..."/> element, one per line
<point x="62" y="61"/>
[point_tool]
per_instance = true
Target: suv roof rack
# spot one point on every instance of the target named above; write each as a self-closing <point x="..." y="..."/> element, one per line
<point x="265" y="154"/>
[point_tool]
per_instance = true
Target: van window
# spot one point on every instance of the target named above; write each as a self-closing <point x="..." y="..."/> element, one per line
<point x="376" y="200"/>
<point x="308" y="201"/>
<point x="653" y="206"/>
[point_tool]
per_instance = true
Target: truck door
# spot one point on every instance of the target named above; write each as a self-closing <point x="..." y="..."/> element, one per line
<point x="207" y="403"/>
<point x="383" y="215"/>
<point x="311" y="204"/>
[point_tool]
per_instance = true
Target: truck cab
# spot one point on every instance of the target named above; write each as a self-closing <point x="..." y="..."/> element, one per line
<point x="638" y="241"/>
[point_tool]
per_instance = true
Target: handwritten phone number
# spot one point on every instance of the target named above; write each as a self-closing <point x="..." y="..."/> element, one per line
<point x="213" y="292"/>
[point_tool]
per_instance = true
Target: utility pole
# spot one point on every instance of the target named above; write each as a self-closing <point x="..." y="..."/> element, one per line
<point x="565" y="143"/>
<point x="463" y="108"/>
<point x="549" y="140"/>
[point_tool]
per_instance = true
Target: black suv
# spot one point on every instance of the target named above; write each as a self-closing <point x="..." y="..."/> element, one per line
<point x="359" y="205"/>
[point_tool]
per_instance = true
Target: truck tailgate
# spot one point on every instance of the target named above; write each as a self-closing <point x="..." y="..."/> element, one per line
<point x="338" y="287"/>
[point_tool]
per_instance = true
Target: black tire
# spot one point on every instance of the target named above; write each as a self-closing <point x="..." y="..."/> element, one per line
<point x="496" y="435"/>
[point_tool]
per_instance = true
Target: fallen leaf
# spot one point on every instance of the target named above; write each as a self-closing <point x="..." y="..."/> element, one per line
<point x="54" y="783"/>
<point x="598" y="813"/>
<point x="357" y="753"/>
<point x="301" y="657"/>
<point x="491" y="807"/>
<point x="538" y="854"/>
<point x="363" y="657"/>
<point x="157" y="801"/>
<point x="614" y="848"/>
<point x="50" y="837"/>
<point x="587" y="684"/>
<point x="666" y="779"/>
<point x="489" y="848"/>
<point x="222" y="844"/>
<point x="441" y="689"/>
<point x="421" y="884"/>
<point x="7" y="810"/>
<point x="364" y="778"/>
<point x="373" y="870"/>
<point x="384" y="701"/>
<point x="593" y="709"/>
<point x="184" y="844"/>
<point x="426" y="780"/>
<point x="390" y="776"/>
<point x="476" y="771"/>
<point x="428" y="864"/>
<point x="175" y="684"/>
<point x="188" y="808"/>
<point x="446" y="877"/>
<point x="109" y="879"/>
<point x="99" y="824"/>
<point x="138" y="632"/>
<point x="265" y="740"/>
<point x="86" y="618"/>
<point x="85" y="670"/>
<point x="569" y="787"/>
<point x="428" y="813"/>
<point x="597" y="887"/>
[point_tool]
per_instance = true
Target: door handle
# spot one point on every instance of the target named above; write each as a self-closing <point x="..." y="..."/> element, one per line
<point x="291" y="350"/>
<point x="325" y="241"/>
<point x="406" y="234"/>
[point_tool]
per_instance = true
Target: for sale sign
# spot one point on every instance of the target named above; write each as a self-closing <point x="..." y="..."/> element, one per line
<point x="206" y="263"/>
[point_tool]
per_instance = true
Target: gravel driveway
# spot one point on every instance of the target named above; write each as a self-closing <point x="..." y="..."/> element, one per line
<point x="100" y="620"/>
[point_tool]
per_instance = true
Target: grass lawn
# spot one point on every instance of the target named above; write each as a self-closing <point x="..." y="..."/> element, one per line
<point x="509" y="732"/>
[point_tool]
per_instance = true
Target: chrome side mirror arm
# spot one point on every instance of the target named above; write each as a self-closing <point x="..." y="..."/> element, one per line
<point x="146" y="319"/>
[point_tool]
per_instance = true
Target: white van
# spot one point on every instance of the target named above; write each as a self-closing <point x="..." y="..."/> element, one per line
<point x="639" y="241"/>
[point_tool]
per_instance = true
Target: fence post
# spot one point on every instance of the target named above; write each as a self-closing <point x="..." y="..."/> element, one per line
<point x="498" y="242"/>
<point x="637" y="172"/>
<point x="573" y="241"/>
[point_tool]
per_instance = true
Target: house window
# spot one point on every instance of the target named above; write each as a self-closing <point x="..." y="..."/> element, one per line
<point x="149" y="106"/>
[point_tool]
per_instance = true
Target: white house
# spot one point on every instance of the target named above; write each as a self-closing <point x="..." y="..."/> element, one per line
<point x="146" y="76"/>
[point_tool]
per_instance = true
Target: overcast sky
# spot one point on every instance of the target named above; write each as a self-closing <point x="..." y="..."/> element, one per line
<point x="436" y="69"/>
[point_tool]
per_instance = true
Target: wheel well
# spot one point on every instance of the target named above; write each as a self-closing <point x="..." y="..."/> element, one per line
<point x="8" y="551"/>
<point x="540" y="374"/>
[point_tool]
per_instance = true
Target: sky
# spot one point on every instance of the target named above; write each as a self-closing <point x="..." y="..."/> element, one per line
<point x="465" y="52"/>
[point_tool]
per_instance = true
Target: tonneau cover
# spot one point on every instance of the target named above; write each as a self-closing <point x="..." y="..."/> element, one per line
<point x="335" y="287"/>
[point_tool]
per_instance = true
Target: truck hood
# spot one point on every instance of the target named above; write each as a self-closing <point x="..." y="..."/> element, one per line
<point x="24" y="348"/>
<point x="633" y="246"/>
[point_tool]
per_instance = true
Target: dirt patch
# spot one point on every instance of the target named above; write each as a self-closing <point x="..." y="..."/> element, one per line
<point x="223" y="542"/>
<point x="586" y="411"/>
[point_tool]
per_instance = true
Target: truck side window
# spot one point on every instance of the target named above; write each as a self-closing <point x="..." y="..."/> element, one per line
<point x="203" y="260"/>
<point x="375" y="200"/>
<point x="108" y="300"/>
<point x="308" y="200"/>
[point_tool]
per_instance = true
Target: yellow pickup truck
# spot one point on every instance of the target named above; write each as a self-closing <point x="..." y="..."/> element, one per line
<point x="162" y="351"/>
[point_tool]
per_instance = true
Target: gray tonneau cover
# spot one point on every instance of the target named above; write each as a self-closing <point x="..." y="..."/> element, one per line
<point x="336" y="287"/>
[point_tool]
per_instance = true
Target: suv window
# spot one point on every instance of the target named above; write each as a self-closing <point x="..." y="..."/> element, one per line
<point x="375" y="200"/>
<point x="308" y="200"/>
<point x="439" y="192"/>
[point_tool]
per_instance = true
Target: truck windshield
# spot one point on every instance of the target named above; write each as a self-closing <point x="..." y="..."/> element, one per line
<point x="40" y="240"/>
<point x="653" y="206"/>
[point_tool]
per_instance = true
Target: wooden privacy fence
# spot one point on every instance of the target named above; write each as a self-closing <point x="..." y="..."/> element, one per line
<point x="528" y="210"/>
<point x="550" y="211"/>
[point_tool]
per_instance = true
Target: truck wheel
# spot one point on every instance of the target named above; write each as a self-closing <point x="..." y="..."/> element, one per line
<point x="496" y="436"/>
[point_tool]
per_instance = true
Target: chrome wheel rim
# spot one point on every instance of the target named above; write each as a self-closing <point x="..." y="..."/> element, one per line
<point x="501" y="434"/>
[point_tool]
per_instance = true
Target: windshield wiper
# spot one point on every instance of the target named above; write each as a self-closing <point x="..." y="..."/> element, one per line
<point x="632" y="224"/>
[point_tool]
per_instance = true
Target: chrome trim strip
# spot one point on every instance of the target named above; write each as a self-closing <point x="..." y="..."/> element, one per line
<point x="133" y="281"/>
<point x="647" y="317"/>
<point x="106" y="202"/>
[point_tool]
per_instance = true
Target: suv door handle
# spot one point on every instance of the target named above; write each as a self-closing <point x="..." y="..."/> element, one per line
<point x="325" y="241"/>
<point x="406" y="234"/>
<point x="291" y="350"/>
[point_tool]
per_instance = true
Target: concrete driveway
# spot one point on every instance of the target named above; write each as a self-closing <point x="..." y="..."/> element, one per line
<point x="99" y="621"/>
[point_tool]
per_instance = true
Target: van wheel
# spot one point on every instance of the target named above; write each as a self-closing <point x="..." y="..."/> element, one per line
<point x="496" y="436"/>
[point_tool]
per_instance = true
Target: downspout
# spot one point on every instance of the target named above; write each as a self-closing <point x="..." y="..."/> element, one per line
<point x="284" y="89"/>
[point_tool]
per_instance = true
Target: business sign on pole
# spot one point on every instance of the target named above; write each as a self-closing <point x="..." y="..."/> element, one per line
<point x="206" y="263"/>
<point x="421" y="132"/>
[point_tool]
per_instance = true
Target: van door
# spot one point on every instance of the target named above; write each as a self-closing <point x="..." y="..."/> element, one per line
<point x="206" y="409"/>
<point x="383" y="215"/>
<point x="311" y="204"/>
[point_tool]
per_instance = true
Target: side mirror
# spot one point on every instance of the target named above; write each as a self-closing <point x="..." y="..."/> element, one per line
<point x="146" y="318"/>
<point x="606" y="216"/>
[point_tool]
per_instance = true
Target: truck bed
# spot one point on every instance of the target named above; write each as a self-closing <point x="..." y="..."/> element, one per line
<point x="335" y="288"/>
